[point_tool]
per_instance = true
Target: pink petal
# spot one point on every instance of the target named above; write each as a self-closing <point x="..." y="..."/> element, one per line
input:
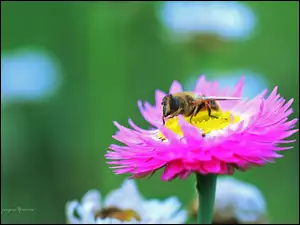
<point x="172" y="170"/>
<point x="238" y="90"/>
<point x="158" y="97"/>
<point x="200" y="84"/>
<point x="175" y="87"/>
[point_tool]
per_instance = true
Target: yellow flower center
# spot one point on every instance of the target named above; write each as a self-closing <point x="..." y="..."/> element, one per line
<point x="120" y="214"/>
<point x="218" y="120"/>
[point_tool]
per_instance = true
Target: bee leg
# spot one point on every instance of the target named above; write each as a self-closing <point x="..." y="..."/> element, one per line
<point x="194" y="113"/>
<point x="179" y="111"/>
<point x="191" y="118"/>
<point x="176" y="113"/>
<point x="171" y="116"/>
<point x="209" y="113"/>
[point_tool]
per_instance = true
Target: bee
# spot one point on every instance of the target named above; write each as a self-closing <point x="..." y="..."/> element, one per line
<point x="189" y="104"/>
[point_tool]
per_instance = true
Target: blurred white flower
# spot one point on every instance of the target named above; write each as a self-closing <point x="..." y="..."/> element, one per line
<point x="254" y="83"/>
<point x="239" y="199"/>
<point x="27" y="74"/>
<point x="124" y="205"/>
<point x="228" y="19"/>
<point x="238" y="202"/>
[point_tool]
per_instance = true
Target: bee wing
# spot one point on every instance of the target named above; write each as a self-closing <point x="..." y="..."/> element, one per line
<point x="219" y="98"/>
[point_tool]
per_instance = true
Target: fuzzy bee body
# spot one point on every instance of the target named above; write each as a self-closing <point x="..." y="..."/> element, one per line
<point x="189" y="104"/>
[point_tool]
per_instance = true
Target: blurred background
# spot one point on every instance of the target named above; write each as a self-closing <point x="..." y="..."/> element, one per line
<point x="69" y="69"/>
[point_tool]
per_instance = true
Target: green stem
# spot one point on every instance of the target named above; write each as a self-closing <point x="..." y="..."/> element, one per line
<point x="206" y="187"/>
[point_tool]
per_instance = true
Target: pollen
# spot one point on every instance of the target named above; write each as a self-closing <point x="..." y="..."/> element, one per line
<point x="123" y="215"/>
<point x="218" y="121"/>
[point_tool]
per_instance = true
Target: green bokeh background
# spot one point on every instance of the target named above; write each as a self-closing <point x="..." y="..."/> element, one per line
<point x="111" y="55"/>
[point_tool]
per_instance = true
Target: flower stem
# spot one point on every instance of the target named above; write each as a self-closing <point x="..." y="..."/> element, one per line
<point x="206" y="187"/>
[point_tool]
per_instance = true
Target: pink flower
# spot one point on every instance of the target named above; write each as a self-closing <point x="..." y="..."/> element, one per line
<point x="246" y="133"/>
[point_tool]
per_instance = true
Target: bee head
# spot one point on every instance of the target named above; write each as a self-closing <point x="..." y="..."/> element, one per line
<point x="170" y="105"/>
